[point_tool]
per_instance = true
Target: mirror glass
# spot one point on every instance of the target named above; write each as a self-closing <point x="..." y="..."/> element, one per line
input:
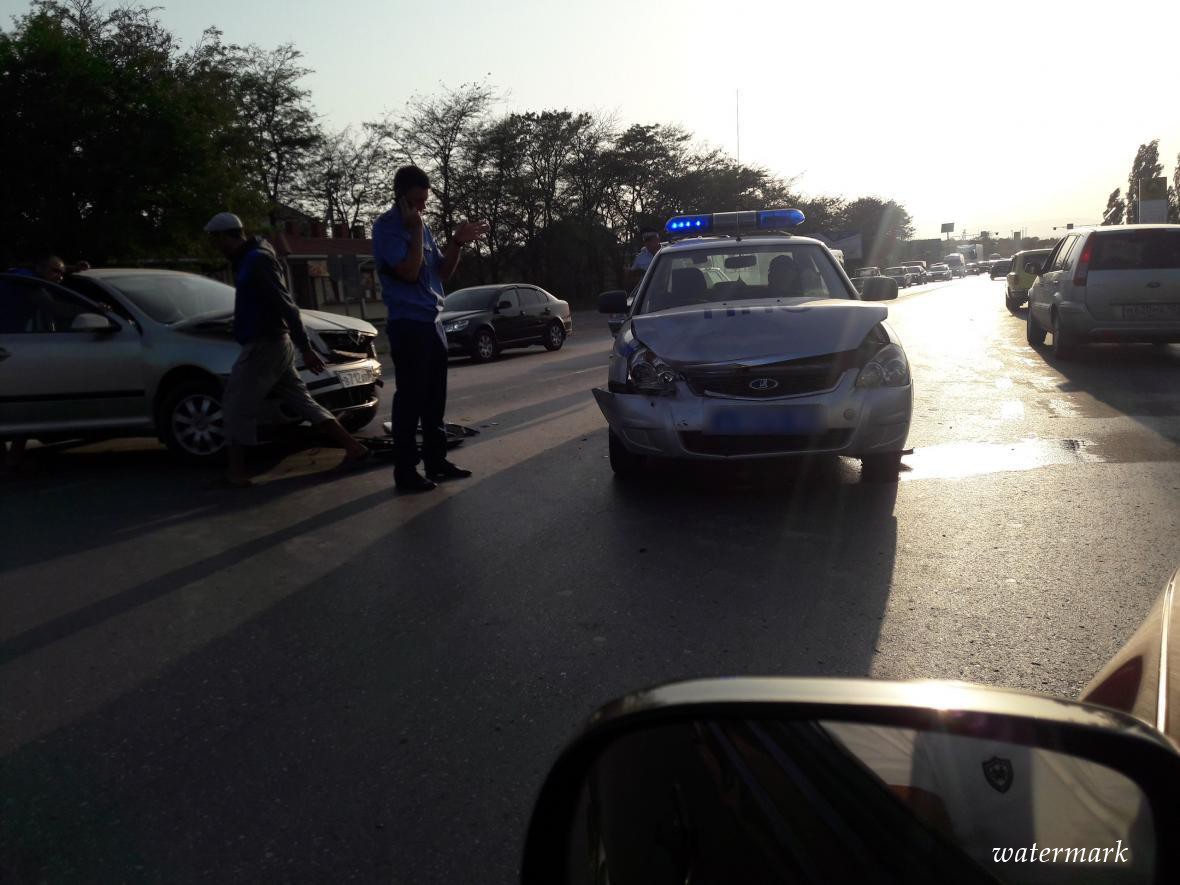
<point x="735" y="262"/>
<point x="717" y="801"/>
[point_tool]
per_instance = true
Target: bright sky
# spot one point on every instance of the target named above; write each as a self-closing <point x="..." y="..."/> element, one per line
<point x="1004" y="120"/>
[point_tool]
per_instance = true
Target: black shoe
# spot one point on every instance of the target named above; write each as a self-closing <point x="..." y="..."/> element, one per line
<point x="412" y="481"/>
<point x="447" y="470"/>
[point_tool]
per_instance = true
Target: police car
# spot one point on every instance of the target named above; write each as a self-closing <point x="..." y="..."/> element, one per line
<point x="776" y="355"/>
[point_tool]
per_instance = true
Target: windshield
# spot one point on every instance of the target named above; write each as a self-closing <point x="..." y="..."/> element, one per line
<point x="480" y="298"/>
<point x="732" y="272"/>
<point x="172" y="298"/>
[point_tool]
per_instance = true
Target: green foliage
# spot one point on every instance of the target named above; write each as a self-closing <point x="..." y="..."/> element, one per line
<point x="1116" y="208"/>
<point x="1145" y="167"/>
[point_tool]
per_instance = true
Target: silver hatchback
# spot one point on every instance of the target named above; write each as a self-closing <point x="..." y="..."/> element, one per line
<point x="130" y="352"/>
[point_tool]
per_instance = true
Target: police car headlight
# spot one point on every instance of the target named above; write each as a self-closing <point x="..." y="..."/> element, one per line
<point x="457" y="326"/>
<point x="887" y="368"/>
<point x="647" y="373"/>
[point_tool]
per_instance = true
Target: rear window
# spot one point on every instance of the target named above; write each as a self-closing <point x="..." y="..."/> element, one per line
<point x="1137" y="250"/>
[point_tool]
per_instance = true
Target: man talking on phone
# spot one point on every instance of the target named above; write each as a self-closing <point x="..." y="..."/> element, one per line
<point x="412" y="269"/>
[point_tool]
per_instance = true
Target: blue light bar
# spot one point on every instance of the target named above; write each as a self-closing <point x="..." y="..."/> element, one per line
<point x="780" y="218"/>
<point x="682" y="225"/>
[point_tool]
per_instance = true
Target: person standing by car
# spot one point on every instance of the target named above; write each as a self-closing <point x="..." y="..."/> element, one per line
<point x="412" y="269"/>
<point x="266" y="320"/>
<point x="651" y="245"/>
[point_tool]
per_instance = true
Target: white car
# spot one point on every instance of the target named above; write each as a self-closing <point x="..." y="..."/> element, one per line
<point x="784" y="358"/>
<point x="129" y="352"/>
<point x="1116" y="283"/>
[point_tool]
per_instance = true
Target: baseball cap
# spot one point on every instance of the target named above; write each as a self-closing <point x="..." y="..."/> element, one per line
<point x="223" y="221"/>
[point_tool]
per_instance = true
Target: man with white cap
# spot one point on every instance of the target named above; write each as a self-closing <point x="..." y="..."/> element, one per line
<point x="266" y="321"/>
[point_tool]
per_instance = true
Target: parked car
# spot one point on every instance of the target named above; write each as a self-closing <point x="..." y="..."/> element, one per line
<point x="1000" y="268"/>
<point x="130" y="352"/>
<point x="787" y="359"/>
<point x="918" y="273"/>
<point x="940" y="272"/>
<point x="1025" y="267"/>
<point x="1108" y="284"/>
<point x="904" y="278"/>
<point x="481" y="321"/>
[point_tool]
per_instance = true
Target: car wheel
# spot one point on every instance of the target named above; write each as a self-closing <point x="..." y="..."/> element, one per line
<point x="1032" y="329"/>
<point x="623" y="462"/>
<point x="1063" y="343"/>
<point x="484" y="347"/>
<point x="554" y="336"/>
<point x="881" y="467"/>
<point x="192" y="423"/>
<point x="358" y="419"/>
<point x="1011" y="301"/>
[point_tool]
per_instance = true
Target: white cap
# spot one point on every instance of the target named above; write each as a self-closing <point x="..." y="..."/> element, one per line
<point x="223" y="221"/>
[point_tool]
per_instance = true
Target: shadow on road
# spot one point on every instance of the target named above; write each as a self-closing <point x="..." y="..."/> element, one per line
<point x="393" y="720"/>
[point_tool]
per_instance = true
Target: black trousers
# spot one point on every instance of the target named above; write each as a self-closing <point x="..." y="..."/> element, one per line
<point x="420" y="373"/>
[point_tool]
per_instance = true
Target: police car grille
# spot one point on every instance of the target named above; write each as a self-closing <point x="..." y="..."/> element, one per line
<point x="790" y="378"/>
<point x="708" y="444"/>
<point x="350" y="346"/>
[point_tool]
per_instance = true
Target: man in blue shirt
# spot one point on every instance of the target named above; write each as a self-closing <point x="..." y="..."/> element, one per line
<point x="412" y="269"/>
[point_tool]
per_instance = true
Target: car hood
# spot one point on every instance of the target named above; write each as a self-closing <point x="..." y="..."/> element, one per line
<point x="753" y="330"/>
<point x="314" y="320"/>
<point x="449" y="316"/>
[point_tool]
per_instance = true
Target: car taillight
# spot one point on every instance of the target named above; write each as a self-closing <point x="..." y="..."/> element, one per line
<point x="1079" y="275"/>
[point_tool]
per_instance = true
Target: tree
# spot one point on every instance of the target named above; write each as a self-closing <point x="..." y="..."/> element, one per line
<point x="282" y="132"/>
<point x="123" y="139"/>
<point x="1146" y="167"/>
<point x="1174" y="195"/>
<point x="1116" y="208"/>
<point x="349" y="180"/>
<point x="882" y="224"/>
<point x="435" y="135"/>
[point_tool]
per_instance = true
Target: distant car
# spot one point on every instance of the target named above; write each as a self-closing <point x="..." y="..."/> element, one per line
<point x="1117" y="283"/>
<point x="918" y="273"/>
<point x="126" y="352"/>
<point x="869" y="272"/>
<point x="903" y="277"/>
<point x="1000" y="268"/>
<point x="481" y="321"/>
<point x="1025" y="267"/>
<point x="940" y="272"/>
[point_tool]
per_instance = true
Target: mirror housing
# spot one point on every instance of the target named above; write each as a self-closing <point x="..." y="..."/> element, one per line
<point x="1033" y="267"/>
<point x="93" y="322"/>
<point x="878" y="289"/>
<point x="614" y="301"/>
<point x="503" y="304"/>
<point x="688" y="769"/>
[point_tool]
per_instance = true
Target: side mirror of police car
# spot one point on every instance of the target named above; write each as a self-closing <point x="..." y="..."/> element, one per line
<point x="503" y="305"/>
<point x="93" y="322"/>
<point x="834" y="780"/>
<point x="614" y="301"/>
<point x="879" y="289"/>
<point x="1032" y="267"/>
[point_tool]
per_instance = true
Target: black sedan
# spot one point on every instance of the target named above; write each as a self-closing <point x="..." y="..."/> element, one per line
<point x="1000" y="269"/>
<point x="483" y="320"/>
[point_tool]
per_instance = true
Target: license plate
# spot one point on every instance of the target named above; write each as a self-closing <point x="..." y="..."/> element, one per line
<point x="355" y="377"/>
<point x="788" y="421"/>
<point x="1151" y="312"/>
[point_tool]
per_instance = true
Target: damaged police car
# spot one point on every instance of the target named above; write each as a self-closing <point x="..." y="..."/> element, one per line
<point x="745" y="342"/>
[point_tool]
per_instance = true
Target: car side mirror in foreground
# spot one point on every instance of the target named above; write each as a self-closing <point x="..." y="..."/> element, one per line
<point x="1032" y="267"/>
<point x="92" y="322"/>
<point x="614" y="301"/>
<point x="834" y="780"/>
<point x="879" y="289"/>
<point x="503" y="305"/>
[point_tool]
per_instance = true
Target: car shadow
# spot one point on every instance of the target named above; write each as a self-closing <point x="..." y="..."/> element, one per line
<point x="400" y="712"/>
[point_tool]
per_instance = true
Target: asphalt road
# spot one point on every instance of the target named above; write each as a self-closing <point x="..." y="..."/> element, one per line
<point x="319" y="680"/>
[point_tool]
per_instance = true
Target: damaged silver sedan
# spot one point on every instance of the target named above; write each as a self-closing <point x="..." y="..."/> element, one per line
<point x="744" y="342"/>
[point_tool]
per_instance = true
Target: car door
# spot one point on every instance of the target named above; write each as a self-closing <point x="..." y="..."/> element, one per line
<point x="1046" y="288"/>
<point x="508" y="319"/>
<point x="58" y="377"/>
<point x="533" y="303"/>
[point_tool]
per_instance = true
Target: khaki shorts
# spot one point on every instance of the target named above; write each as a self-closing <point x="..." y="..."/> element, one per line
<point x="265" y="367"/>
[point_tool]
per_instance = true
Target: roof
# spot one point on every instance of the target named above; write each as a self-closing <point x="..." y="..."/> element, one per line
<point x="291" y="244"/>
<point x="698" y="244"/>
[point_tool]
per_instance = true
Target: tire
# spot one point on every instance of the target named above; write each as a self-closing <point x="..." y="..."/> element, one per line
<point x="623" y="462"/>
<point x="358" y="419"/>
<point x="883" y="467"/>
<point x="191" y="422"/>
<point x="1064" y="347"/>
<point x="1011" y="302"/>
<point x="485" y="347"/>
<point x="554" y="336"/>
<point x="1033" y="332"/>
